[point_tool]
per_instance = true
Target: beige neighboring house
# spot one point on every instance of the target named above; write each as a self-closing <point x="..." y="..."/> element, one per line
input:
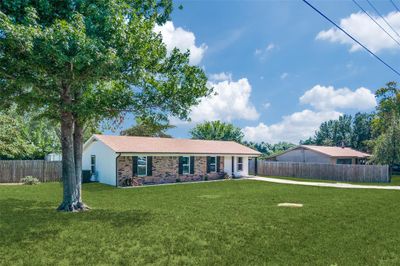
<point x="127" y="161"/>
<point x="321" y="154"/>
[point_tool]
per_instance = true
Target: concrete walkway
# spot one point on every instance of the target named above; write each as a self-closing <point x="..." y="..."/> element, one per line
<point x="320" y="184"/>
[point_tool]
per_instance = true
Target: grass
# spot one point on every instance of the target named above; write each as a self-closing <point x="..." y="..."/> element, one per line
<point x="395" y="181"/>
<point x="219" y="223"/>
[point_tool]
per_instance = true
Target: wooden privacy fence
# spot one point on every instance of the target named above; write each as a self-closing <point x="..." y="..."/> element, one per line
<point x="336" y="172"/>
<point x="12" y="171"/>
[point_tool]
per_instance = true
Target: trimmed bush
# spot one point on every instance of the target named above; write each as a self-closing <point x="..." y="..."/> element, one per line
<point x="86" y="175"/>
<point x="30" y="180"/>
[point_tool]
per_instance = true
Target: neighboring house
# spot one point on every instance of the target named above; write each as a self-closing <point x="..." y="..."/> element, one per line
<point x="321" y="154"/>
<point x="125" y="160"/>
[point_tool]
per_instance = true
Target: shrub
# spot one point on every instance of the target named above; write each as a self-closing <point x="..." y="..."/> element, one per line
<point x="30" y="180"/>
<point x="178" y="180"/>
<point x="205" y="177"/>
<point x="226" y="176"/>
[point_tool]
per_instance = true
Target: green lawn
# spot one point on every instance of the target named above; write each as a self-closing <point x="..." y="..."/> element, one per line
<point x="395" y="181"/>
<point x="218" y="223"/>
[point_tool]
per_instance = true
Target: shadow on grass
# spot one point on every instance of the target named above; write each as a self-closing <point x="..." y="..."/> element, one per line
<point x="96" y="187"/>
<point x="31" y="221"/>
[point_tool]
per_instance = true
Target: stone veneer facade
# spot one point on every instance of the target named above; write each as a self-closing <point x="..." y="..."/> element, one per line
<point x="165" y="170"/>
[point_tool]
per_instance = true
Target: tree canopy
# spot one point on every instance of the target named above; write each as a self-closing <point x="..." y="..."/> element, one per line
<point x="387" y="145"/>
<point x="148" y="128"/>
<point x="354" y="132"/>
<point x="27" y="135"/>
<point x="217" y="130"/>
<point x="388" y="106"/>
<point x="268" y="149"/>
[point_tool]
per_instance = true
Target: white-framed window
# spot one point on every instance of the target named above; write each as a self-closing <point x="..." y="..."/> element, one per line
<point x="93" y="164"/>
<point x="142" y="166"/>
<point x="213" y="164"/>
<point x="240" y="164"/>
<point x="186" y="165"/>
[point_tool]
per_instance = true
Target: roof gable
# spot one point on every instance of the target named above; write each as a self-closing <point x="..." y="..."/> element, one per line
<point x="336" y="151"/>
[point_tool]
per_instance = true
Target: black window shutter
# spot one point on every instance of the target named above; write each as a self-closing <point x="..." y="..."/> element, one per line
<point x="192" y="165"/>
<point x="218" y="161"/>
<point x="208" y="164"/>
<point x="180" y="165"/>
<point x="149" y="165"/>
<point x="134" y="165"/>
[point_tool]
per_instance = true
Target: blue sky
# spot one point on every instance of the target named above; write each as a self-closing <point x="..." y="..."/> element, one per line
<point x="279" y="67"/>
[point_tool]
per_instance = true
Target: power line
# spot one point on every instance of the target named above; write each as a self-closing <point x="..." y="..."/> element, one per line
<point x="387" y="23"/>
<point x="376" y="22"/>
<point x="395" y="6"/>
<point x="351" y="37"/>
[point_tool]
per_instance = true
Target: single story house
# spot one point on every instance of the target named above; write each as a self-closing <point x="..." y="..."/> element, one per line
<point x="321" y="154"/>
<point x="130" y="161"/>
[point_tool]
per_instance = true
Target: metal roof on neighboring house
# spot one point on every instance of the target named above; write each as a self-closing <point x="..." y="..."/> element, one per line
<point x="130" y="144"/>
<point x="332" y="151"/>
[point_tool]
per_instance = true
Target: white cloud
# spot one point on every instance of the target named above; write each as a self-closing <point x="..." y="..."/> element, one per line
<point x="220" y="76"/>
<point x="292" y="128"/>
<point x="270" y="47"/>
<point x="329" y="98"/>
<point x="360" y="26"/>
<point x="284" y="75"/>
<point x="262" y="53"/>
<point x="267" y="105"/>
<point x="301" y="125"/>
<point x="181" y="39"/>
<point x="232" y="101"/>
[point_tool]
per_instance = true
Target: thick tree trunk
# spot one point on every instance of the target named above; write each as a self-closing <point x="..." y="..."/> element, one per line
<point x="71" y="178"/>
<point x="78" y="150"/>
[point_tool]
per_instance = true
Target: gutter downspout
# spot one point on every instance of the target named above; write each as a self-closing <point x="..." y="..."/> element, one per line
<point x="116" y="169"/>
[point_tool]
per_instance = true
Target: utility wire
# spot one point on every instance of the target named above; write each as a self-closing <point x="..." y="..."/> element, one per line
<point x="351" y="37"/>
<point x="395" y="6"/>
<point x="376" y="22"/>
<point x="387" y="23"/>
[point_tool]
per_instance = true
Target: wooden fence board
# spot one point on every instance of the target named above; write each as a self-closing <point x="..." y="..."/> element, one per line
<point x="335" y="172"/>
<point x="11" y="171"/>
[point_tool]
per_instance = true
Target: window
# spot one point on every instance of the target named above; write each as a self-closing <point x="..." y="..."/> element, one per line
<point x="185" y="165"/>
<point x="240" y="164"/>
<point x="93" y="164"/>
<point x="343" y="161"/>
<point x="213" y="164"/>
<point x="142" y="166"/>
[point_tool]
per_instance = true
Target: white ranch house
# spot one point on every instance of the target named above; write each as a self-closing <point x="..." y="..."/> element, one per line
<point x="131" y="161"/>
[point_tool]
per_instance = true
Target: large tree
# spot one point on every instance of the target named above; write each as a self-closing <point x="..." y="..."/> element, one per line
<point x="388" y="106"/>
<point x="387" y="145"/>
<point x="217" y="130"/>
<point x="83" y="61"/>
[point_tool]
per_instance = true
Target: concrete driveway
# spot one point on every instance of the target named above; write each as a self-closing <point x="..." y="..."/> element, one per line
<point x="320" y="184"/>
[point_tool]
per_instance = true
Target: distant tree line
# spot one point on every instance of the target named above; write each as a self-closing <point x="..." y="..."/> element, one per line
<point x="354" y="132"/>
<point x="29" y="135"/>
<point x="217" y="130"/>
